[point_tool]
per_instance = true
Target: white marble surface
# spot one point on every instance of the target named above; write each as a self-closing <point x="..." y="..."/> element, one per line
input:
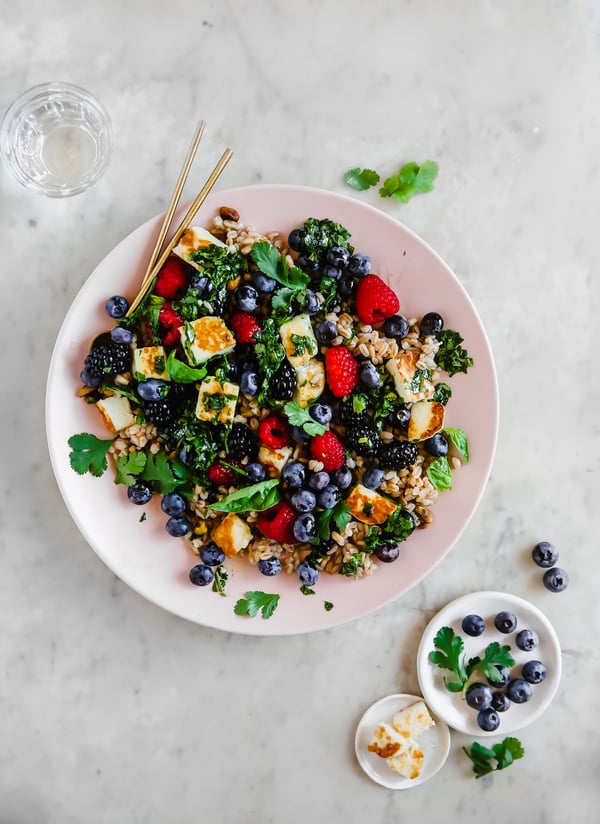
<point x="112" y="710"/>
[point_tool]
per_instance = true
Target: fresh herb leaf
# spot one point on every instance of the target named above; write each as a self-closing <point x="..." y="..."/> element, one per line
<point x="253" y="498"/>
<point x="88" y="454"/>
<point x="305" y="590"/>
<point x="270" y="262"/>
<point x="351" y="567"/>
<point x="328" y="290"/>
<point x="121" y="390"/>
<point x="220" y="579"/>
<point x="269" y="353"/>
<point x="442" y="393"/>
<point x="427" y="173"/>
<point x="503" y="754"/>
<point x="339" y="514"/>
<point x="302" y="344"/>
<point x="440" y="474"/>
<point x="412" y="179"/>
<point x="320" y="235"/>
<point x="449" y="654"/>
<point x="298" y="416"/>
<point x="282" y="298"/>
<point x="459" y="440"/>
<point x="397" y="528"/>
<point x="494" y="656"/>
<point x="128" y="467"/>
<point x="255" y="601"/>
<point x="451" y="356"/>
<point x="158" y="470"/>
<point x="180" y="372"/>
<point x="361" y="179"/>
<point x="328" y="606"/>
<point x="220" y="265"/>
<point x="143" y="517"/>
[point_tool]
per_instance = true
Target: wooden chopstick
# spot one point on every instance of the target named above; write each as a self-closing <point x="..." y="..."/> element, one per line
<point x="189" y="216"/>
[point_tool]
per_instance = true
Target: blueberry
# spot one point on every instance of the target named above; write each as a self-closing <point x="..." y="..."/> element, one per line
<point x="90" y="380"/>
<point x="211" y="554"/>
<point x="307" y="264"/>
<point x="400" y="416"/>
<point x="247" y="298"/>
<point x="294" y="474"/>
<point x="299" y="435"/>
<point x="342" y="477"/>
<point x="533" y="671"/>
<point x="319" y="480"/>
<point x="437" y="445"/>
<point x="504" y="678"/>
<point x="311" y="304"/>
<point x="178" y="526"/>
<point x="332" y="272"/>
<point x="201" y="285"/>
<point x="505" y="622"/>
<point x="325" y="331"/>
<point x="249" y="383"/>
<point x="478" y="696"/>
<point x="500" y="701"/>
<point x="396" y="327"/>
<point x="346" y="286"/>
<point x="138" y="493"/>
<point x="303" y="500"/>
<point x="387" y="553"/>
<point x="121" y="335"/>
<point x="369" y="375"/>
<point x="117" y="306"/>
<point x="359" y="265"/>
<point x="373" y="477"/>
<point x="338" y="256"/>
<point x="321" y="413"/>
<point x="431" y="324"/>
<point x="473" y="625"/>
<point x="328" y="497"/>
<point x="305" y="527"/>
<point x="527" y="639"/>
<point x="173" y="504"/>
<point x="201" y="575"/>
<point x="544" y="554"/>
<point x="152" y="390"/>
<point x="263" y="282"/>
<point x="269" y="566"/>
<point x="296" y="239"/>
<point x="488" y="719"/>
<point x="307" y="574"/>
<point x="519" y="691"/>
<point x="256" y="472"/>
<point x="556" y="579"/>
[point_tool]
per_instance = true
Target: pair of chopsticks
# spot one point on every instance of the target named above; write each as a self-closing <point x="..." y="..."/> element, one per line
<point x="157" y="260"/>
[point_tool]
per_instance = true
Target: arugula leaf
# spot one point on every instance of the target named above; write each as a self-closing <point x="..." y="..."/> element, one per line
<point x="361" y="179"/>
<point x="305" y="590"/>
<point x="328" y="606"/>
<point x="128" y="466"/>
<point x="220" y="579"/>
<point x="159" y="470"/>
<point x="88" y="454"/>
<point x="253" y="498"/>
<point x="298" y="416"/>
<point x="339" y="514"/>
<point x="451" y="356"/>
<point x="180" y="372"/>
<point x="449" y="654"/>
<point x="442" y="393"/>
<point x="504" y="754"/>
<point x="459" y="439"/>
<point x="440" y="474"/>
<point x="412" y="179"/>
<point x="255" y="601"/>
<point x="270" y="262"/>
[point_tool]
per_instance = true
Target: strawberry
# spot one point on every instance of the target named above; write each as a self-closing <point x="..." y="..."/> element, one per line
<point x="171" y="281"/>
<point x="245" y="327"/>
<point x="328" y="449"/>
<point x="341" y="368"/>
<point x="220" y="474"/>
<point x="277" y="523"/>
<point x="275" y="432"/>
<point x="169" y="321"/>
<point x="375" y="301"/>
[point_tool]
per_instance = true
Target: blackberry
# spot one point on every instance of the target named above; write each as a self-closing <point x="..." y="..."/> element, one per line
<point x="397" y="455"/>
<point x="363" y="439"/>
<point x="283" y="383"/>
<point x="348" y="414"/>
<point x="242" y="443"/>
<point x="112" y="359"/>
<point x="160" y="414"/>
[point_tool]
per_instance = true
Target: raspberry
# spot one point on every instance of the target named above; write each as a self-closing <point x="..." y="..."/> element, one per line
<point x="275" y="432"/>
<point x="375" y="301"/>
<point x="219" y="474"/>
<point x="171" y="281"/>
<point x="169" y="321"/>
<point x="245" y="327"/>
<point x="341" y="368"/>
<point x="328" y="449"/>
<point x="277" y="523"/>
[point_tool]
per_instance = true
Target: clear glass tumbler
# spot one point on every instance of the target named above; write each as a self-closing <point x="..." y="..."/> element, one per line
<point x="56" y="139"/>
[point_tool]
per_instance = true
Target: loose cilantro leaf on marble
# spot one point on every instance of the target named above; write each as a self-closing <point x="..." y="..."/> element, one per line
<point x="88" y="454"/>
<point x="412" y="179"/>
<point x="257" y="601"/>
<point x="503" y="754"/>
<point x="361" y="179"/>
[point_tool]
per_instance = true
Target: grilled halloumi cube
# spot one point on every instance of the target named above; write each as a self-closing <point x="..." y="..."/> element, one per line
<point x="205" y="338"/>
<point x="369" y="506"/>
<point x="298" y="340"/>
<point x="426" y="419"/>
<point x="408" y="762"/>
<point x="232" y="535"/>
<point x="192" y="240"/>
<point x="151" y="362"/>
<point x="274" y="459"/>
<point x="217" y="401"/>
<point x="412" y="384"/>
<point x="411" y="721"/>
<point x="310" y="382"/>
<point x="386" y="742"/>
<point x="116" y="413"/>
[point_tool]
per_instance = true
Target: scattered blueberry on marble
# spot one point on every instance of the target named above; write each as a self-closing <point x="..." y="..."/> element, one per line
<point x="556" y="579"/>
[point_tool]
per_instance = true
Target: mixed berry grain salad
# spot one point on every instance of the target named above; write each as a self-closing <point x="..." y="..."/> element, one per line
<point x="279" y="400"/>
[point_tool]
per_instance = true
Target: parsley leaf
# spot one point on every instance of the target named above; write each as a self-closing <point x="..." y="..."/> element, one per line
<point x="361" y="179"/>
<point x="451" y="356"/>
<point x="159" y="470"/>
<point x="220" y="579"/>
<point x="298" y="416"/>
<point x="88" y="454"/>
<point x="494" y="656"/>
<point x="253" y="498"/>
<point x="440" y="474"/>
<point x="339" y="514"/>
<point x="459" y="440"/>
<point x="504" y="754"/>
<point x="255" y="601"/>
<point x="412" y="179"/>
<point x="271" y="263"/>
<point x="305" y="590"/>
<point x="449" y="654"/>
<point x="128" y="466"/>
<point x="328" y="606"/>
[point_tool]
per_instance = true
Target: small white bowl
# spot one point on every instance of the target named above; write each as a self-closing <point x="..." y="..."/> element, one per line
<point x="435" y="743"/>
<point x="451" y="706"/>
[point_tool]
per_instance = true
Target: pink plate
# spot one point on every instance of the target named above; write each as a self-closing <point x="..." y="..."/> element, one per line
<point x="156" y="565"/>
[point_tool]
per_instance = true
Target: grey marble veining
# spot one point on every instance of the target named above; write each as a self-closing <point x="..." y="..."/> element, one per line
<point x="112" y="710"/>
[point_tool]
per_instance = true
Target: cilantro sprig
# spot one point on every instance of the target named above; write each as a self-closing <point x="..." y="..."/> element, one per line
<point x="270" y="262"/>
<point x="488" y="759"/>
<point x="299" y="416"/>
<point x="88" y="454"/>
<point x="449" y="654"/>
<point x="256" y="601"/>
<point x="338" y="514"/>
<point x="412" y="179"/>
<point x="361" y="179"/>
